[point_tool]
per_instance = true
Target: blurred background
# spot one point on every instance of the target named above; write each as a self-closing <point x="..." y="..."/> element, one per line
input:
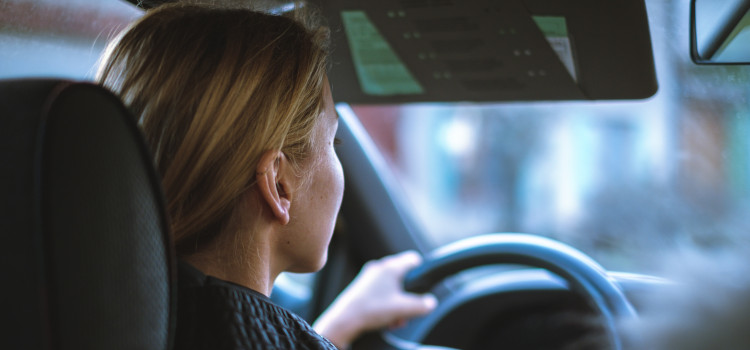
<point x="622" y="181"/>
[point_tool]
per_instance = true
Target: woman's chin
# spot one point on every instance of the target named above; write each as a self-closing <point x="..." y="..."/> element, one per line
<point x="313" y="265"/>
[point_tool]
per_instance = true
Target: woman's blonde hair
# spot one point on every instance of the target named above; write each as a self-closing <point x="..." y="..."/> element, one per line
<point x="213" y="89"/>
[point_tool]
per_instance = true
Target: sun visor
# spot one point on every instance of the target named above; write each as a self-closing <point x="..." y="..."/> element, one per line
<point x="400" y="51"/>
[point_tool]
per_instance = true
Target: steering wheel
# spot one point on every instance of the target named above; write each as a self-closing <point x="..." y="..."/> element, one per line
<point x="583" y="275"/>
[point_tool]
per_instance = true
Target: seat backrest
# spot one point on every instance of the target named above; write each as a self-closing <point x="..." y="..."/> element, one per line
<point x="86" y="261"/>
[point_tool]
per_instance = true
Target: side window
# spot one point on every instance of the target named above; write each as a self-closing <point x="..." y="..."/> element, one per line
<point x="60" y="39"/>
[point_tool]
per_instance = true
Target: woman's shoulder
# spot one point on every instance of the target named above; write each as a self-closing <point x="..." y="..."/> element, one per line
<point x="216" y="314"/>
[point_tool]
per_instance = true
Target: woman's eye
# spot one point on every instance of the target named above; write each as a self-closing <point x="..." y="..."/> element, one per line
<point x="337" y="141"/>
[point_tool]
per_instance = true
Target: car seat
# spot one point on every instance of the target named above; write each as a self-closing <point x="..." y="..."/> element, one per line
<point x="86" y="259"/>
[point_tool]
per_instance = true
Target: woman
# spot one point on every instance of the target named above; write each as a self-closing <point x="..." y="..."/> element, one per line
<point x="238" y="112"/>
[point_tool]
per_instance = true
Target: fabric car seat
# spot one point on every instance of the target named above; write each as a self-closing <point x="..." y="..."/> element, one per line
<point x="86" y="260"/>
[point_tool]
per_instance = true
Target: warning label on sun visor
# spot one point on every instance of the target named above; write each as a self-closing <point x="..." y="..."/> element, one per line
<point x="555" y="30"/>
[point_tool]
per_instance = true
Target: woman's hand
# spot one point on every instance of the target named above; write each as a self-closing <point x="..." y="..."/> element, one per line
<point x="375" y="299"/>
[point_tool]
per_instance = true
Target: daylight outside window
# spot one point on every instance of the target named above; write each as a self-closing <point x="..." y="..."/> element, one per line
<point x="61" y="39"/>
<point x="620" y="180"/>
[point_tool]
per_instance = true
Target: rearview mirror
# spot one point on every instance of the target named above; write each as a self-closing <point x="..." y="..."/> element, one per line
<point x="720" y="31"/>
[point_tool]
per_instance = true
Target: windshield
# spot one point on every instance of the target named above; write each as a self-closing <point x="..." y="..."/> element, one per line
<point x="621" y="181"/>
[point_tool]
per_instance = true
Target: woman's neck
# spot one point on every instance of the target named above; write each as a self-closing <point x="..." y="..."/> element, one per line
<point x="250" y="267"/>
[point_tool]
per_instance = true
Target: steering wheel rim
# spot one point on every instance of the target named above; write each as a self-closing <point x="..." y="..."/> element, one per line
<point x="584" y="275"/>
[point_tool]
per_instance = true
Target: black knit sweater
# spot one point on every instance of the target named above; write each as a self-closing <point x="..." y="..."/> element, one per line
<point x="220" y="315"/>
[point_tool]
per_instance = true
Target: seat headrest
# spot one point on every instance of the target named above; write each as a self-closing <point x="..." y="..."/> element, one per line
<point x="86" y="256"/>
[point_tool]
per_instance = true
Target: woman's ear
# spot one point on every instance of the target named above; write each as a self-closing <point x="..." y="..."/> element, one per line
<point x="273" y="178"/>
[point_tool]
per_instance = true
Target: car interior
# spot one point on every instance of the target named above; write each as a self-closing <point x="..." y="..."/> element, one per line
<point x="544" y="156"/>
